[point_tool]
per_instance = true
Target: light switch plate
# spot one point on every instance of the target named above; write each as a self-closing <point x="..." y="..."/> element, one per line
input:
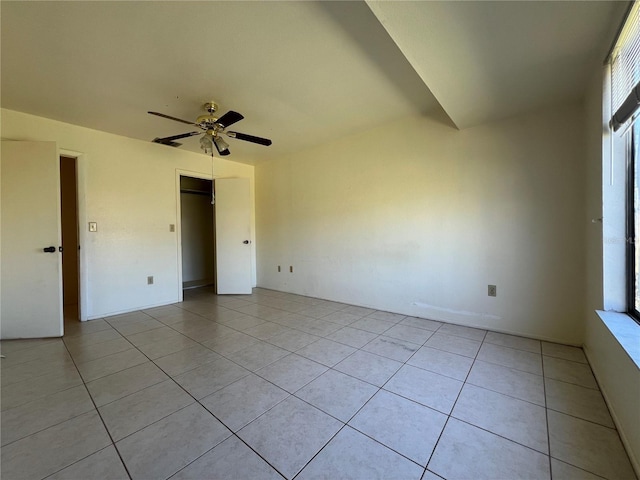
<point x="93" y="226"/>
<point x="172" y="227"/>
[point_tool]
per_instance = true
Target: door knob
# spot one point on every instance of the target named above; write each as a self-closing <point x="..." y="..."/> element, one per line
<point x="49" y="249"/>
<point x="246" y="242"/>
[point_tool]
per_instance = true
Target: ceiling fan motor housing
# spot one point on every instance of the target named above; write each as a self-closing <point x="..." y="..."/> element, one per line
<point x="206" y="121"/>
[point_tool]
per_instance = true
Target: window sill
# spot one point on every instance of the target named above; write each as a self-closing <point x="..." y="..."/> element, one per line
<point x="625" y="330"/>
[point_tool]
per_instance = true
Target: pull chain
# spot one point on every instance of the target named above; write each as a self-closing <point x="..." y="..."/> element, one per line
<point x="213" y="195"/>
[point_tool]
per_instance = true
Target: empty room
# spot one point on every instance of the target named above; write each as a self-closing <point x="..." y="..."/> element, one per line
<point x="320" y="240"/>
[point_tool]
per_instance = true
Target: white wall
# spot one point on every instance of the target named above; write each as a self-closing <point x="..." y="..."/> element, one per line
<point x="418" y="218"/>
<point x="129" y="189"/>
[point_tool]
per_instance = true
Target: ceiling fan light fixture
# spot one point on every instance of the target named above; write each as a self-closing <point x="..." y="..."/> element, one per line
<point x="221" y="145"/>
<point x="206" y="144"/>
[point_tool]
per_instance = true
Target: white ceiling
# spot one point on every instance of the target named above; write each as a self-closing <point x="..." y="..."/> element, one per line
<point x="301" y="73"/>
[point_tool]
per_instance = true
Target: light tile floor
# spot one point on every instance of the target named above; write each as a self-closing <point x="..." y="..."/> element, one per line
<point x="274" y="385"/>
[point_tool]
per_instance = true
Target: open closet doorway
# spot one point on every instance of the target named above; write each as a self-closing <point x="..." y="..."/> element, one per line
<point x="197" y="232"/>
<point x="70" y="238"/>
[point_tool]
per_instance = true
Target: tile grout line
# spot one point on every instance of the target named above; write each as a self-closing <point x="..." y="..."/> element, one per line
<point x="449" y="415"/>
<point x="49" y="426"/>
<point x="581" y="419"/>
<point x="233" y="434"/>
<point x="380" y="388"/>
<point x="162" y="418"/>
<point x="546" y="414"/>
<point x="322" y="337"/>
<point x="84" y="458"/>
<point x="344" y="424"/>
<point x="99" y="415"/>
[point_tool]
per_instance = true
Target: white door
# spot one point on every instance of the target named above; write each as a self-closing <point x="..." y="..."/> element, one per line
<point x="233" y="240"/>
<point x="31" y="288"/>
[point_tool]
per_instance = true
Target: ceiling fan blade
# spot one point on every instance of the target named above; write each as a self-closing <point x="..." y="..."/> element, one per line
<point x="173" y="118"/>
<point x="175" y="137"/>
<point x="229" y="118"/>
<point x="249" y="138"/>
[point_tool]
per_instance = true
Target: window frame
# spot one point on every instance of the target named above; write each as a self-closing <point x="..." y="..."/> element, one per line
<point x="632" y="206"/>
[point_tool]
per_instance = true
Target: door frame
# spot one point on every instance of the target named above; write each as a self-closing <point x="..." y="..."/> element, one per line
<point x="82" y="232"/>
<point x="186" y="173"/>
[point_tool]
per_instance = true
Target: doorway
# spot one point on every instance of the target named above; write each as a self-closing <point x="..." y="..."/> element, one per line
<point x="70" y="238"/>
<point x="197" y="232"/>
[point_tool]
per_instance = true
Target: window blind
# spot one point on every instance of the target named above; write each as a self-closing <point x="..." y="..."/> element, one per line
<point x="625" y="70"/>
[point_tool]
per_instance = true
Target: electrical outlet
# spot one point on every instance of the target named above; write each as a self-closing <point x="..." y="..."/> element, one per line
<point x="492" y="290"/>
<point x="172" y="227"/>
<point x="150" y="280"/>
<point x="291" y="269"/>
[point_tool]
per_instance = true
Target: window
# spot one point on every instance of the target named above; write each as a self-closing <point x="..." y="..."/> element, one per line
<point x="625" y="100"/>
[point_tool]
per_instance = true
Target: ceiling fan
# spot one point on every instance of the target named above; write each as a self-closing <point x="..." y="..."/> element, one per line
<point x="213" y="128"/>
